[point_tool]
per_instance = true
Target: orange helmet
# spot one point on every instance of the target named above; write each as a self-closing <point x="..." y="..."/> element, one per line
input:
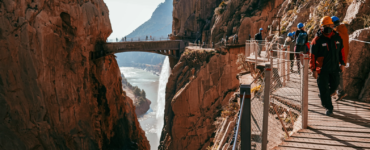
<point x="326" y="21"/>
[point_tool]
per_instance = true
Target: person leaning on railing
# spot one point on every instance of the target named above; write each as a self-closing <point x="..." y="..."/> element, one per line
<point x="289" y="42"/>
<point x="326" y="52"/>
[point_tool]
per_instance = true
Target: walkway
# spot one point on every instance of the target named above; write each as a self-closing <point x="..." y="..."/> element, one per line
<point x="349" y="128"/>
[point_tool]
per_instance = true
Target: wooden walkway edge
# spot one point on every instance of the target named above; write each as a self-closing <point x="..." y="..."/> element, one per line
<point x="348" y="128"/>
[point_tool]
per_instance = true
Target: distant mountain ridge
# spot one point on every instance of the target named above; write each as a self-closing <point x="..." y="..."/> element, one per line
<point x="160" y="24"/>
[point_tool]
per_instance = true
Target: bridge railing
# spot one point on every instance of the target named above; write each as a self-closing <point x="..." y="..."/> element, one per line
<point x="142" y="39"/>
<point x="278" y="103"/>
<point x="202" y="45"/>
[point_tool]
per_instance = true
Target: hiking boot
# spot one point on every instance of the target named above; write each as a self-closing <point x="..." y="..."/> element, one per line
<point x="341" y="96"/>
<point x="329" y="112"/>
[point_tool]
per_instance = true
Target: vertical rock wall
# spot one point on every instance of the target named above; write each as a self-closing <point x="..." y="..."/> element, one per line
<point x="52" y="96"/>
<point x="200" y="84"/>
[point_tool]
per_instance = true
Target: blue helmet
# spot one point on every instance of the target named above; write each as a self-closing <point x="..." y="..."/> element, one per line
<point x="261" y="29"/>
<point x="293" y="33"/>
<point x="300" y="25"/>
<point x="290" y="34"/>
<point x="334" y="18"/>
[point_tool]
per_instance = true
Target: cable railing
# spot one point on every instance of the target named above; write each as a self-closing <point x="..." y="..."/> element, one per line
<point x="278" y="106"/>
<point x="141" y="39"/>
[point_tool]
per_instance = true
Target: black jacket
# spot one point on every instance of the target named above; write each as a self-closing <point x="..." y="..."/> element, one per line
<point x="326" y="52"/>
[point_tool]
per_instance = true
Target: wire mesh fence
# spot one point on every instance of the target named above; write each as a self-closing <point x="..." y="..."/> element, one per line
<point x="285" y="97"/>
<point x="283" y="114"/>
<point x="201" y="45"/>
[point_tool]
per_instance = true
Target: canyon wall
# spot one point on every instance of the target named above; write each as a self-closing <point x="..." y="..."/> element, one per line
<point x="217" y="19"/>
<point x="200" y="85"/>
<point x="52" y="96"/>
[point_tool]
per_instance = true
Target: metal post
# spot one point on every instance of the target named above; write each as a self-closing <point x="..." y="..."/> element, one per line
<point x="272" y="65"/>
<point x="256" y="53"/>
<point x="304" y="93"/>
<point x="283" y="69"/>
<point x="266" y="106"/>
<point x="245" y="131"/>
<point x="288" y="59"/>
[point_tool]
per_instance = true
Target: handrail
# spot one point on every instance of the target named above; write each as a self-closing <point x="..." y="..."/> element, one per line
<point x="360" y="41"/>
<point x="238" y="125"/>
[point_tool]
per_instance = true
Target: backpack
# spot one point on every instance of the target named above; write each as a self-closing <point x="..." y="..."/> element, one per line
<point x="301" y="39"/>
<point x="256" y="36"/>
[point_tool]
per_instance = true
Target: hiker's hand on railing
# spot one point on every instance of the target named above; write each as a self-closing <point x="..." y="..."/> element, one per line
<point x="314" y="74"/>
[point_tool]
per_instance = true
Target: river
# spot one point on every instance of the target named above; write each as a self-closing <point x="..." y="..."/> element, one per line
<point x="154" y="87"/>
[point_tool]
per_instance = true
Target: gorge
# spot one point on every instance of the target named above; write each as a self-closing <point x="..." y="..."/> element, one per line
<point x="53" y="95"/>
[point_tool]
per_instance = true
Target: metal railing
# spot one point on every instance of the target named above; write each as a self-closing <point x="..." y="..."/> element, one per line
<point x="141" y="39"/>
<point x="278" y="106"/>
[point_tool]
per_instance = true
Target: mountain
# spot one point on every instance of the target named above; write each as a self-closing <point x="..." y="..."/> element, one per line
<point x="159" y="25"/>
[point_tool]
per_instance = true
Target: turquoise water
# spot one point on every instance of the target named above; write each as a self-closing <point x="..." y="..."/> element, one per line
<point x="149" y="82"/>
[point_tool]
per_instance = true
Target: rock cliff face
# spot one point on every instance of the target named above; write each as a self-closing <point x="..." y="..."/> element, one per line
<point x="357" y="75"/>
<point x="200" y="84"/>
<point x="52" y="96"/>
<point x="245" y="17"/>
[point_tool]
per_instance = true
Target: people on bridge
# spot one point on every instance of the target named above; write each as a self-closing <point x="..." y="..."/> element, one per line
<point x="343" y="32"/>
<point x="289" y="42"/>
<point x="125" y="38"/>
<point x="326" y="53"/>
<point x="249" y="37"/>
<point x="301" y="44"/>
<point x="258" y="38"/>
<point x="146" y="38"/>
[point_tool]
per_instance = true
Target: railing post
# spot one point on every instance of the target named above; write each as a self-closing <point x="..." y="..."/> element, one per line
<point x="304" y="87"/>
<point x="245" y="130"/>
<point x="266" y="106"/>
<point x="284" y="66"/>
<point x="256" y="52"/>
<point x="247" y="48"/>
<point x="289" y="63"/>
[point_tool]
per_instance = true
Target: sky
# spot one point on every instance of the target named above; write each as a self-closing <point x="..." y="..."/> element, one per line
<point x="126" y="15"/>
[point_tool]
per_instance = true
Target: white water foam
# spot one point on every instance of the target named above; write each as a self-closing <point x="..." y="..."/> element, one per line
<point x="163" y="79"/>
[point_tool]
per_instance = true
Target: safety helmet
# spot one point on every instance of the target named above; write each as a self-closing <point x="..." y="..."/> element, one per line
<point x="293" y="33"/>
<point x="300" y="25"/>
<point x="326" y="21"/>
<point x="334" y="18"/>
<point x="290" y="34"/>
<point x="261" y="29"/>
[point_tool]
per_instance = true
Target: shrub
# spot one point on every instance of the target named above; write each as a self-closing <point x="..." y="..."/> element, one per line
<point x="219" y="10"/>
<point x="366" y="19"/>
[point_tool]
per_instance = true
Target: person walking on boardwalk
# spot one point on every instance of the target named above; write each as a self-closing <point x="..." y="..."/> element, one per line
<point x="326" y="53"/>
<point x="302" y="45"/>
<point x="258" y="38"/>
<point x="343" y="32"/>
<point x="289" y="42"/>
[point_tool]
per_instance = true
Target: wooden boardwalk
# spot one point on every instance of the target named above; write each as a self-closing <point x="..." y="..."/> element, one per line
<point x="348" y="128"/>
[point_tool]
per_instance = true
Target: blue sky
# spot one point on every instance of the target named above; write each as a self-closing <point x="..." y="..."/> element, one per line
<point x="126" y="15"/>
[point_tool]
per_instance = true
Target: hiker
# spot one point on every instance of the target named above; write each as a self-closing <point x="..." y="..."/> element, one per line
<point x="302" y="45"/>
<point x="249" y="37"/>
<point x="258" y="38"/>
<point x="125" y="38"/>
<point x="150" y="37"/>
<point x="326" y="54"/>
<point x="289" y="41"/>
<point x="343" y="32"/>
<point x="146" y="38"/>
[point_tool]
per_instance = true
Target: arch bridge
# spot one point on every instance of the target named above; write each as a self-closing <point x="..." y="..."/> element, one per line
<point x="172" y="48"/>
